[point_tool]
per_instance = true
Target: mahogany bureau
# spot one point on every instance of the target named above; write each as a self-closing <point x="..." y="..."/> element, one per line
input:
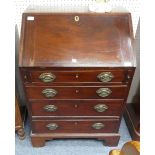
<point x="76" y="70"/>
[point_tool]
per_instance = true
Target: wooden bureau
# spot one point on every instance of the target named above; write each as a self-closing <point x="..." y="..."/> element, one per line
<point x="76" y="69"/>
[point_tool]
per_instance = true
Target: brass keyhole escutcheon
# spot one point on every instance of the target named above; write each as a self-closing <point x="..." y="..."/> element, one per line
<point x="76" y="18"/>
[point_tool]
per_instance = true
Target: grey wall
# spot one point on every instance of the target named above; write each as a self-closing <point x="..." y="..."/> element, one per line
<point x="136" y="79"/>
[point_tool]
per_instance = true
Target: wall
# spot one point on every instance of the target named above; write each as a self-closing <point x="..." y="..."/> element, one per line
<point x="80" y="5"/>
<point x="136" y="79"/>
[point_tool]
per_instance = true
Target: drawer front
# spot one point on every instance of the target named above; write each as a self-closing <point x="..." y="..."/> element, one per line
<point x="84" y="108"/>
<point x="101" y="76"/>
<point x="76" y="126"/>
<point x="35" y="92"/>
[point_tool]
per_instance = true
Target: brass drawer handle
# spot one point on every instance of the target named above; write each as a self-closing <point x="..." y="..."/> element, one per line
<point x="47" y="77"/>
<point x="103" y="92"/>
<point x="98" y="126"/>
<point x="52" y="126"/>
<point x="49" y="93"/>
<point x="105" y="76"/>
<point x="101" y="107"/>
<point x="50" y="108"/>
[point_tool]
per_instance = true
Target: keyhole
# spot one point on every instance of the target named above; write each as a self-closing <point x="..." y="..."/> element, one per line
<point x="129" y="77"/>
<point x="75" y="105"/>
<point x="76" y="18"/>
<point x="77" y="91"/>
<point x="77" y="76"/>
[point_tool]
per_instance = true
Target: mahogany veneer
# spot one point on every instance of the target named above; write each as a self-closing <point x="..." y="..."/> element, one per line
<point x="76" y="70"/>
<point x="80" y="92"/>
<point x="75" y="108"/>
<point x="76" y="126"/>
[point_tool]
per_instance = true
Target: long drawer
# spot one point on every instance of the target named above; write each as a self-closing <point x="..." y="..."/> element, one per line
<point x="82" y="108"/>
<point x="69" y="76"/>
<point x="76" y="126"/>
<point x="96" y="92"/>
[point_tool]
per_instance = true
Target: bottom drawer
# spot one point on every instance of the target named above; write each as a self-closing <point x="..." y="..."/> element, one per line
<point x="76" y="126"/>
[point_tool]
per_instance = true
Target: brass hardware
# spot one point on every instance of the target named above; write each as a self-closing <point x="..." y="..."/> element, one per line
<point x="100" y="107"/>
<point x="103" y="92"/>
<point x="50" y="108"/>
<point x="52" y="126"/>
<point x="98" y="126"/>
<point x="105" y="76"/>
<point x="47" y="77"/>
<point x="76" y="18"/>
<point x="49" y="93"/>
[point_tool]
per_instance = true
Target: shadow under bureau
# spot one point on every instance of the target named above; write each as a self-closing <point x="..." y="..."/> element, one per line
<point x="76" y="70"/>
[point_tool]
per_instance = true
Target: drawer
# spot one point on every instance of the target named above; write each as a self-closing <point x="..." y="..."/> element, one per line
<point x="61" y="108"/>
<point x="58" y="92"/>
<point x="50" y="76"/>
<point x="76" y="126"/>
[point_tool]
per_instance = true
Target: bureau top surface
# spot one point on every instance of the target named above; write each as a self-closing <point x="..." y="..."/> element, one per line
<point x="76" y="40"/>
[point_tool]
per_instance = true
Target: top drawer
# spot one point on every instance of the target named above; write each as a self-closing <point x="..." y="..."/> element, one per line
<point x="85" y="76"/>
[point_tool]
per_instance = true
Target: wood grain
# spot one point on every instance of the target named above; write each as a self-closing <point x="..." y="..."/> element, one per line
<point x="96" y="40"/>
<point x="76" y="52"/>
<point x="76" y="126"/>
<point x="79" y="92"/>
<point x="78" y="108"/>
